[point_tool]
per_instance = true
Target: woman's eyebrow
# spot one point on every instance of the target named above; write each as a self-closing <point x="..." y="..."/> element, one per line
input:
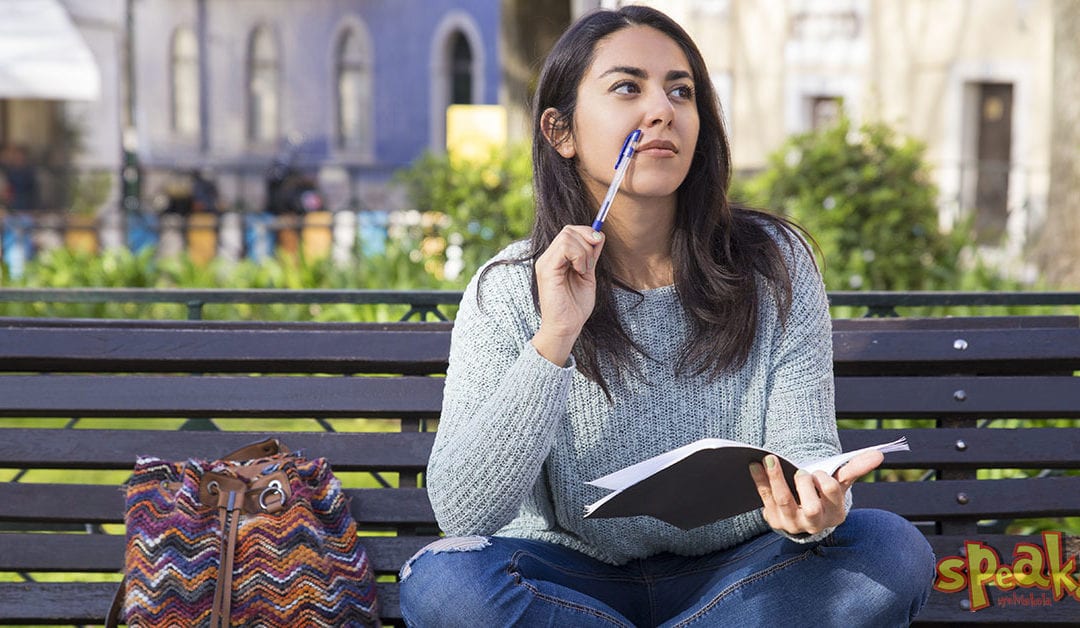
<point x="672" y="75"/>
<point x="626" y="69"/>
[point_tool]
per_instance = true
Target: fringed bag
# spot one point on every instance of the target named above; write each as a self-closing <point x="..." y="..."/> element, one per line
<point x="262" y="537"/>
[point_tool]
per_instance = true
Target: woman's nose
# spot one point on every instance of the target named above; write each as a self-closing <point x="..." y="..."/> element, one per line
<point x="659" y="110"/>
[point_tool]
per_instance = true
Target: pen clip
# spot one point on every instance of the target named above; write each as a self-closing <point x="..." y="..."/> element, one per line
<point x="629" y="144"/>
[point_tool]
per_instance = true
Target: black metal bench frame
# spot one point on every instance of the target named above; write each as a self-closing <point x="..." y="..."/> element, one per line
<point x="960" y="373"/>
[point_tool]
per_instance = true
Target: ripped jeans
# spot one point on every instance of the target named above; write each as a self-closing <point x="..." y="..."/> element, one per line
<point x="875" y="569"/>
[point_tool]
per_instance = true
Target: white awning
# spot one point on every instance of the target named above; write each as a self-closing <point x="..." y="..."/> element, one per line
<point x="43" y="55"/>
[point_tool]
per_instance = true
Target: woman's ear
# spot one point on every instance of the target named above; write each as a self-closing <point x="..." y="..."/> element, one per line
<point x="557" y="132"/>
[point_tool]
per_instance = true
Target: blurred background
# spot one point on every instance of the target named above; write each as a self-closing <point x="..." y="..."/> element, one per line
<point x="926" y="144"/>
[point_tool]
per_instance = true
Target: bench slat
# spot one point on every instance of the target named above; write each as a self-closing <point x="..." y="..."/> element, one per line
<point x="223" y="396"/>
<point x="982" y="499"/>
<point x="233" y="396"/>
<point x="75" y="503"/>
<point x="421" y="348"/>
<point x="931" y="448"/>
<point x="69" y="602"/>
<point x="316" y="351"/>
<point x="1027" y="352"/>
<point x="233" y="350"/>
<point x="974" y="448"/>
<point x="117" y="449"/>
<point x="927" y="323"/>
<point x="15" y="323"/>
<point x="977" y="397"/>
<point x="1031" y="497"/>
<point x="105" y="552"/>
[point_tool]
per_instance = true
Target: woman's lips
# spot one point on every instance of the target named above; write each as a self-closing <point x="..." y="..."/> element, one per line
<point x="658" y="148"/>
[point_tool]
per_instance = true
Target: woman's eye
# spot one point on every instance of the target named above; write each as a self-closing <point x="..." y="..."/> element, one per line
<point x="626" y="87"/>
<point x="684" y="92"/>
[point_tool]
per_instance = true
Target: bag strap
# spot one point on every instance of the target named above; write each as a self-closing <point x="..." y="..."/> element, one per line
<point x="230" y="507"/>
<point x="113" y="618"/>
<point x="261" y="449"/>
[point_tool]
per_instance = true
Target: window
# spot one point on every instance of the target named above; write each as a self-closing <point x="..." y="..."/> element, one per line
<point x="992" y="144"/>
<point x="457" y="70"/>
<point x="461" y="69"/>
<point x="185" y="83"/>
<point x="263" y="89"/>
<point x="824" y="111"/>
<point x="354" y="93"/>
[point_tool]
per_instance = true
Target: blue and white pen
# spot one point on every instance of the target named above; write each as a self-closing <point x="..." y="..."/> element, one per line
<point x="621" y="164"/>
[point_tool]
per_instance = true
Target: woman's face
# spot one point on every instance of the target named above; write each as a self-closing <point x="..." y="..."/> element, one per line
<point x="639" y="79"/>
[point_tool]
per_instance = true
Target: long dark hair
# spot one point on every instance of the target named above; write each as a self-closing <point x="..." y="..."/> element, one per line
<point x="719" y="251"/>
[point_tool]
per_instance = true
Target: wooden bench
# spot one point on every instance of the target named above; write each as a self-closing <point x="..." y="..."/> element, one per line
<point x="955" y="373"/>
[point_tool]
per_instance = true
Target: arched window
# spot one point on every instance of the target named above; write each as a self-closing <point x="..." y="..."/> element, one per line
<point x="461" y="70"/>
<point x="263" y="89"/>
<point x="457" y="70"/>
<point x="354" y="92"/>
<point x="184" y="59"/>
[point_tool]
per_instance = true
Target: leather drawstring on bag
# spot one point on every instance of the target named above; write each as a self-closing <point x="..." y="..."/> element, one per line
<point x="229" y="505"/>
<point x="233" y="497"/>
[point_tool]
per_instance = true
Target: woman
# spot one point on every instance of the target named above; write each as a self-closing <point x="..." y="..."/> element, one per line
<point x="577" y="353"/>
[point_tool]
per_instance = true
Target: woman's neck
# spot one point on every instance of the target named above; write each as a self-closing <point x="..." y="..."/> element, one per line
<point x="639" y="243"/>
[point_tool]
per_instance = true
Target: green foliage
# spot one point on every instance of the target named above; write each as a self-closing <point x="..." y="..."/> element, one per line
<point x="89" y="192"/>
<point x="865" y="196"/>
<point x="477" y="206"/>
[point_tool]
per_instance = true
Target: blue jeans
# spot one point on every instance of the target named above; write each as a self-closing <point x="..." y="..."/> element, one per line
<point x="875" y="569"/>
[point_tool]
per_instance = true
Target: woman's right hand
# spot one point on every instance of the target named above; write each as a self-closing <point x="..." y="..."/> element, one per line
<point x="566" y="282"/>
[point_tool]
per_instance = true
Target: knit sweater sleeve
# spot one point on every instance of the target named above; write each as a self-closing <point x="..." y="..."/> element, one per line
<point x="501" y="405"/>
<point x="801" y="418"/>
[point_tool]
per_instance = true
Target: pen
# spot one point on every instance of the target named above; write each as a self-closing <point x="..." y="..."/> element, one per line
<point x="621" y="164"/>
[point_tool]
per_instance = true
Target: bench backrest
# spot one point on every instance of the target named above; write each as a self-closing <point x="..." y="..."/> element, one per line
<point x="378" y="387"/>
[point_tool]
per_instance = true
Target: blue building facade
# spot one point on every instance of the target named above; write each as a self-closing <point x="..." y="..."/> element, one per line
<point x="349" y="90"/>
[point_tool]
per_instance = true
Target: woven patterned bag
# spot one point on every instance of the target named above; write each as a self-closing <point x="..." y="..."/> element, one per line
<point x="263" y="537"/>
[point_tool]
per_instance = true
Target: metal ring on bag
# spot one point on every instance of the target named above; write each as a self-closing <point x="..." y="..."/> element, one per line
<point x="272" y="487"/>
<point x="213" y="488"/>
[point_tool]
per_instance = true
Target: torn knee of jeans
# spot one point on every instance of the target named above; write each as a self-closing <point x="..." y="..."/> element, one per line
<point x="448" y="544"/>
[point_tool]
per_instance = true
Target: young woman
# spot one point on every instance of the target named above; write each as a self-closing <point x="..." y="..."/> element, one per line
<point x="576" y="353"/>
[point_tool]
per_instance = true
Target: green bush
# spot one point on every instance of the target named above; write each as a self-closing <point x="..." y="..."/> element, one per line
<point x="468" y="210"/>
<point x="866" y="197"/>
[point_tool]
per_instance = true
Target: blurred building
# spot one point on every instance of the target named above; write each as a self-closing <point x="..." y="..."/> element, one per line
<point x="363" y="86"/>
<point x="972" y="79"/>
<point x="359" y="89"/>
<point x="46" y="64"/>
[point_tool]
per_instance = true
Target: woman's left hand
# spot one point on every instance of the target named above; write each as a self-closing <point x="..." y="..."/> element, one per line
<point x="820" y="502"/>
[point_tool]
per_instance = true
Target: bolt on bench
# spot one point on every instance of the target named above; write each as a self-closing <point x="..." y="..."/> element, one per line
<point x="345" y="383"/>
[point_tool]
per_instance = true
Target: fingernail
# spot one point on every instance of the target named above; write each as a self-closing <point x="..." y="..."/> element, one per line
<point x="800" y="472"/>
<point x="755" y="468"/>
<point x="597" y="236"/>
<point x="770" y="461"/>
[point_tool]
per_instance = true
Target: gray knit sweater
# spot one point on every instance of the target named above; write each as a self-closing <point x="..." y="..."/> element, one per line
<point x="520" y="436"/>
